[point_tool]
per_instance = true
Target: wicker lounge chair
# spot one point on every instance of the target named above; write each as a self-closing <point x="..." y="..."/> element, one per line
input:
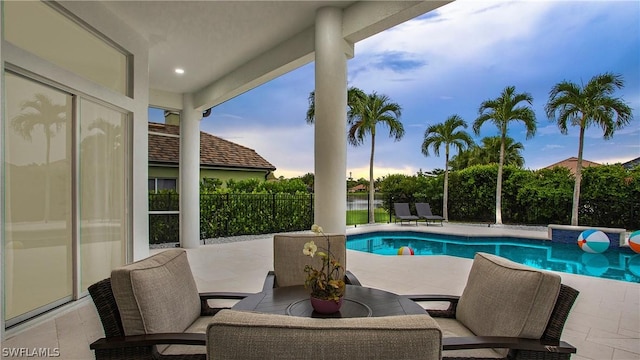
<point x="424" y="212"/>
<point x="151" y="309"/>
<point x="506" y="311"/>
<point x="403" y="213"/>
<point x="289" y="261"/>
<point x="255" y="336"/>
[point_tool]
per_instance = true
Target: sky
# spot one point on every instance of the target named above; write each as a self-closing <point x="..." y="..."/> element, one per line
<point x="448" y="62"/>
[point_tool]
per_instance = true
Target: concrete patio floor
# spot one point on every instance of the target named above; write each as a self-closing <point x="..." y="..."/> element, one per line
<point x="604" y="323"/>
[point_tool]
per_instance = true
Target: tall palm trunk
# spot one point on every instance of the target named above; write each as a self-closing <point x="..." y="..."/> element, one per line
<point x="576" y="187"/>
<point x="445" y="200"/>
<point x="372" y="189"/>
<point x="499" y="183"/>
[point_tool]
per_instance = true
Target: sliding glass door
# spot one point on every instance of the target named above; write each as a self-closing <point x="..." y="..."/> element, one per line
<point x="65" y="195"/>
<point x="38" y="197"/>
<point x="102" y="190"/>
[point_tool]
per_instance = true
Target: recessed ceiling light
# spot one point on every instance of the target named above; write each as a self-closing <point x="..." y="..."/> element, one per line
<point x="179" y="71"/>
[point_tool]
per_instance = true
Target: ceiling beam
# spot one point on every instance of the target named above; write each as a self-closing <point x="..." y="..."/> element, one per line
<point x="367" y="18"/>
<point x="287" y="56"/>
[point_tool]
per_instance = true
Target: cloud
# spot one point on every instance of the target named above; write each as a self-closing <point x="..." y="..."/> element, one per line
<point x="380" y="171"/>
<point x="289" y="149"/>
<point x="229" y="116"/>
<point x="552" y="147"/>
<point x="397" y="61"/>
<point x="548" y="130"/>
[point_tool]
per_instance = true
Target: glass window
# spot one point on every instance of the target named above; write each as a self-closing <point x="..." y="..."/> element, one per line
<point x="102" y="190"/>
<point x="38" y="260"/>
<point x="40" y="29"/>
<point x="167" y="184"/>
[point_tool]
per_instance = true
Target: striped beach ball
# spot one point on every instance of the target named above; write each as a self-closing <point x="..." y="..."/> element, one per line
<point x="634" y="241"/>
<point x="405" y="250"/>
<point x="593" y="241"/>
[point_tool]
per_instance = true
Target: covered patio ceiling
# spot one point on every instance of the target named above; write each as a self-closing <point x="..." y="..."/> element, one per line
<point x="229" y="47"/>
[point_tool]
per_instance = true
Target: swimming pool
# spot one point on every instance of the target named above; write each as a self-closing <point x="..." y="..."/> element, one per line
<point x="618" y="264"/>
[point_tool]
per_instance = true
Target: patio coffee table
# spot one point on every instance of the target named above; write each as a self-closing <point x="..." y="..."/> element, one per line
<point x="359" y="301"/>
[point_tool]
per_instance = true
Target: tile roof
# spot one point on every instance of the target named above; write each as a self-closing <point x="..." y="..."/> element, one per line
<point x="631" y="163"/>
<point x="214" y="151"/>
<point x="572" y="164"/>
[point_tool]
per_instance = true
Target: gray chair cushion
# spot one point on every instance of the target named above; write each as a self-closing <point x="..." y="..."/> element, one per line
<point x="453" y="328"/>
<point x="503" y="298"/>
<point x="289" y="261"/>
<point x="157" y="294"/>
<point x="199" y="327"/>
<point x="248" y="335"/>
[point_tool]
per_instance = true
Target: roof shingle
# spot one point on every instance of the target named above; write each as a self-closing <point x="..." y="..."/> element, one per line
<point x="214" y="151"/>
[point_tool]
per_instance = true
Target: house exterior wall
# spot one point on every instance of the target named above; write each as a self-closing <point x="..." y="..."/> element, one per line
<point x="223" y="175"/>
<point x="136" y="104"/>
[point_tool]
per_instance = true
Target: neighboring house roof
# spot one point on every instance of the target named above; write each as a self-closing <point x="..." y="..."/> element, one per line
<point x="631" y="163"/>
<point x="572" y="163"/>
<point x="359" y="187"/>
<point x="214" y="151"/>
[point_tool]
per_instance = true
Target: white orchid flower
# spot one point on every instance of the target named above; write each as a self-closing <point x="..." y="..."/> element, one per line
<point x="317" y="229"/>
<point x="310" y="248"/>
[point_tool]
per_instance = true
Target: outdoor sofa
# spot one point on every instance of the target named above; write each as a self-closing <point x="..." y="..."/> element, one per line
<point x="250" y="335"/>
<point x="506" y="311"/>
<point x="151" y="309"/>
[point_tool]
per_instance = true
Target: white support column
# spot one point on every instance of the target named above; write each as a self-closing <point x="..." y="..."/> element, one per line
<point x="330" y="122"/>
<point x="189" y="174"/>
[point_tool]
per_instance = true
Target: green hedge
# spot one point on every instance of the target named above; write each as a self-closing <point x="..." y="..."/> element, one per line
<point x="610" y="195"/>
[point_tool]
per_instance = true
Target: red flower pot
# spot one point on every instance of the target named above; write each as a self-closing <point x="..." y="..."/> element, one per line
<point x="323" y="306"/>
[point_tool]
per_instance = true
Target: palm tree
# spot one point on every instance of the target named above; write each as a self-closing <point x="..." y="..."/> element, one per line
<point x="446" y="134"/>
<point x="363" y="118"/>
<point x="365" y="112"/>
<point x="490" y="151"/>
<point x="41" y="112"/>
<point x="465" y="158"/>
<point x="354" y="95"/>
<point x="502" y="111"/>
<point x="584" y="106"/>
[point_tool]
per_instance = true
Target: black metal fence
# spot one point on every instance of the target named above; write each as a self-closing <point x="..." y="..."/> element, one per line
<point x="223" y="215"/>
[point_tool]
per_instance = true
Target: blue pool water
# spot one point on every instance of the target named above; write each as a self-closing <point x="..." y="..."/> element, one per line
<point x="619" y="264"/>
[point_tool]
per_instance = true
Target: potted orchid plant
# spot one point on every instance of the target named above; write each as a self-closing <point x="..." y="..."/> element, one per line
<point x="326" y="283"/>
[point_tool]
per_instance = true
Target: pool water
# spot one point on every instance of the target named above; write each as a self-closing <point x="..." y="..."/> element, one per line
<point x="618" y="264"/>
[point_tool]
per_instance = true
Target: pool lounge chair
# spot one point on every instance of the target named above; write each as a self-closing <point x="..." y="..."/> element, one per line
<point x="506" y="311"/>
<point x="424" y="212"/>
<point x="403" y="213"/>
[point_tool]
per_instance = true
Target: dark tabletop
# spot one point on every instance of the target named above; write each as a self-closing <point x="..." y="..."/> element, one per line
<point x="359" y="301"/>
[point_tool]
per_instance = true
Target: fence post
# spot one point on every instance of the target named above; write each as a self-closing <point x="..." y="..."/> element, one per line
<point x="369" y="209"/>
<point x="310" y="210"/>
<point x="273" y="212"/>
<point x="390" y="199"/>
<point x="226" y="223"/>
